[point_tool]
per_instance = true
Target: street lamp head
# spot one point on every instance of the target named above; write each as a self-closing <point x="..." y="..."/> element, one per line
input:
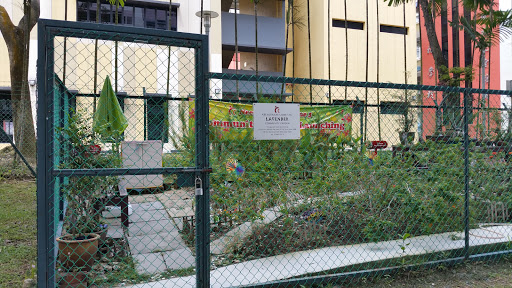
<point x="207" y="16"/>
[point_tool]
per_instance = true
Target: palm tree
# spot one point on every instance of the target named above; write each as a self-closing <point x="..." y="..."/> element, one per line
<point x="487" y="24"/>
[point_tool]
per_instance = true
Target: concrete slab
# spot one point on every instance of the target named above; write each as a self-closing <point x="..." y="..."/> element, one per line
<point x="145" y="216"/>
<point x="155" y="243"/>
<point x="178" y="221"/>
<point x="113" y="221"/>
<point x="115" y="232"/>
<point x="180" y="212"/>
<point x="231" y="239"/>
<point x="178" y="194"/>
<point x="179" y="259"/>
<point x="318" y="260"/>
<point x="151" y="227"/>
<point x="150" y="263"/>
<point x="147" y="206"/>
<point x="142" y="198"/>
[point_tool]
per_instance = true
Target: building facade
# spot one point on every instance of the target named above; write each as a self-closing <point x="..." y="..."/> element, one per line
<point x="141" y="69"/>
<point x="457" y="54"/>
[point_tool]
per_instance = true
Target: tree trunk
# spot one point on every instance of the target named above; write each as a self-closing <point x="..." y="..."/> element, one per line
<point x="378" y="71"/>
<point x="309" y="52"/>
<point x="236" y="49"/>
<point x="293" y="59"/>
<point x="406" y="92"/>
<point x="256" y="44"/>
<point x="17" y="40"/>
<point x="366" y="77"/>
<point x="346" y="48"/>
<point x="288" y="23"/>
<point x="329" y="46"/>
<point x="96" y="59"/>
<point x="432" y="37"/>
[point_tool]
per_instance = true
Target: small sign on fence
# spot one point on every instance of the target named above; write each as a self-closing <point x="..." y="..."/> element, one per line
<point x="276" y="121"/>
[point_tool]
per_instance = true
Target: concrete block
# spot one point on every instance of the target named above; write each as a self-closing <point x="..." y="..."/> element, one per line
<point x="151" y="227"/>
<point x="150" y="263"/>
<point x="155" y="243"/>
<point x="179" y="259"/>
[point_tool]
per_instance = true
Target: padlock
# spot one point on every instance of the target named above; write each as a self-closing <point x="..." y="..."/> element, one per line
<point x="199" y="186"/>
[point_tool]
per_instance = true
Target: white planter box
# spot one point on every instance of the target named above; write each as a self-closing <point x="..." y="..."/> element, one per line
<point x="141" y="154"/>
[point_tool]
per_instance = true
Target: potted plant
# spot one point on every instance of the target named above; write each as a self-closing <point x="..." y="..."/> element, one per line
<point x="407" y="117"/>
<point x="82" y="221"/>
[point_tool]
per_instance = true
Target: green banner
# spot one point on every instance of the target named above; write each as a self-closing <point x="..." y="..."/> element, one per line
<point x="231" y="121"/>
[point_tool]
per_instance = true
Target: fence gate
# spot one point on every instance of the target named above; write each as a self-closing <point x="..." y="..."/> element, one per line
<point x="123" y="186"/>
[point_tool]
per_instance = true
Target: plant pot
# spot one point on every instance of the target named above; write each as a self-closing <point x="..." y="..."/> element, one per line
<point x="78" y="253"/>
<point x="407" y="138"/>
<point x="72" y="279"/>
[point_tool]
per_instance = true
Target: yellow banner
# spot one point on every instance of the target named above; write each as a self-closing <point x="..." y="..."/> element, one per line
<point x="231" y="121"/>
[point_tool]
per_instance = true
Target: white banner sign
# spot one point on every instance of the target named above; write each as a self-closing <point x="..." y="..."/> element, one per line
<point x="276" y="121"/>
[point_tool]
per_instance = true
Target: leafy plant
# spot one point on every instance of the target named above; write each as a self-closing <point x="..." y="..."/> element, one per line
<point x="83" y="152"/>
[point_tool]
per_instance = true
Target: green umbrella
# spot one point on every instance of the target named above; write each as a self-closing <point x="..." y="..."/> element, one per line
<point x="109" y="120"/>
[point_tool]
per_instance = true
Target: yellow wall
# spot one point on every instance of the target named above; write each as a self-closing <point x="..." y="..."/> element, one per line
<point x="391" y="45"/>
<point x="391" y="56"/>
<point x="268" y="8"/>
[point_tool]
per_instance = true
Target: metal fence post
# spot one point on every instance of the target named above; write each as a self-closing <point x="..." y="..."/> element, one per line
<point x="202" y="162"/>
<point x="45" y="231"/>
<point x="466" y="174"/>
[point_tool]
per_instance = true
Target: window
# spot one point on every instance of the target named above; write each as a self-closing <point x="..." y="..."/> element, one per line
<point x="157" y="122"/>
<point x="393" y="29"/>
<point x="357" y="106"/>
<point x="394" y="108"/>
<point x="350" y="24"/>
<point x="139" y="14"/>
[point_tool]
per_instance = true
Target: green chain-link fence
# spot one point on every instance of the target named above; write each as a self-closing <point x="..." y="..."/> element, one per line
<point x="383" y="175"/>
<point x="17" y="149"/>
<point x="374" y="176"/>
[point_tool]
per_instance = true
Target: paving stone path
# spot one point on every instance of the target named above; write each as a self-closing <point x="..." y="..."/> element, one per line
<point x="154" y="239"/>
<point x="314" y="261"/>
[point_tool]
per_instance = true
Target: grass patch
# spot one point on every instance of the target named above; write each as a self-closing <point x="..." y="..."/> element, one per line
<point x="18" y="244"/>
<point x="11" y="166"/>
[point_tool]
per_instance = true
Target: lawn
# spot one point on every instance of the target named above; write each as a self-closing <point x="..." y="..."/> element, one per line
<point x="471" y="274"/>
<point x="17" y="231"/>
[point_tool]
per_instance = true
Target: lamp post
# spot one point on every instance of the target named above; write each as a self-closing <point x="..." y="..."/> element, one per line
<point x="207" y="16"/>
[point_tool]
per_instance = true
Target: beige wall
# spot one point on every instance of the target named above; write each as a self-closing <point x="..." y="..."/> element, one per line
<point x="391" y="49"/>
<point x="268" y="8"/>
<point x="392" y="62"/>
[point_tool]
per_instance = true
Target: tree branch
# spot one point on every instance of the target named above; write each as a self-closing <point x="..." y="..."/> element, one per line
<point x="34" y="16"/>
<point x="6" y="26"/>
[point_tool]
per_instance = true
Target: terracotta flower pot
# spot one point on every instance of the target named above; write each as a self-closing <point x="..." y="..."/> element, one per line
<point x="72" y="280"/>
<point x="78" y="253"/>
